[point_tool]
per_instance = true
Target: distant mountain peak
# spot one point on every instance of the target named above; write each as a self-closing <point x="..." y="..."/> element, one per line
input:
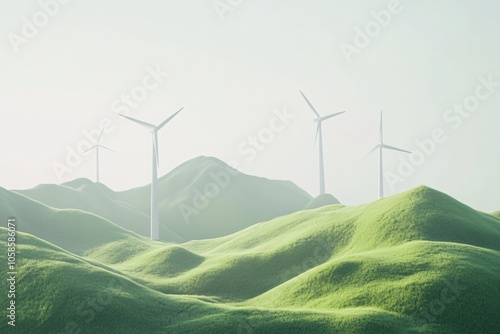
<point x="196" y="166"/>
<point x="78" y="183"/>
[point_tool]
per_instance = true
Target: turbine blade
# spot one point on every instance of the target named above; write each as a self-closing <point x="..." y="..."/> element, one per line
<point x="332" y="115"/>
<point x="107" y="148"/>
<point x="310" y="105"/>
<point x="168" y="120"/>
<point x="381" y="133"/>
<point x="89" y="149"/>
<point x="100" y="137"/>
<point x="317" y="133"/>
<point x="144" y="124"/>
<point x="394" y="148"/>
<point x="155" y="145"/>
<point x="371" y="151"/>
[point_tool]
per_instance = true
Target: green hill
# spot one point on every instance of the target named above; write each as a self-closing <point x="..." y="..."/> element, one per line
<point x="233" y="200"/>
<point x="396" y="254"/>
<point x="417" y="262"/>
<point x="496" y="214"/>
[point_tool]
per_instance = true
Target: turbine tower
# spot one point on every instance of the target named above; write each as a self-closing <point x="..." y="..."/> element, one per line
<point x="380" y="146"/>
<point x="319" y="120"/>
<point x="96" y="146"/>
<point x="155" y="223"/>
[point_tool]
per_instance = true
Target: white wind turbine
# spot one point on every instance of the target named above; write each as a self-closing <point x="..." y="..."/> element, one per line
<point x="380" y="146"/>
<point x="155" y="223"/>
<point x="96" y="146"/>
<point x="319" y="133"/>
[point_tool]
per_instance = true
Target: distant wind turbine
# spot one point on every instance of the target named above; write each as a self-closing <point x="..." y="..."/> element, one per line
<point x="319" y="133"/>
<point x="155" y="223"/>
<point x="96" y="146"/>
<point x="380" y="146"/>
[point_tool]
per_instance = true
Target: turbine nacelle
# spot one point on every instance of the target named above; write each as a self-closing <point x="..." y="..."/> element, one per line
<point x="331" y="116"/>
<point x="97" y="146"/>
<point x="153" y="129"/>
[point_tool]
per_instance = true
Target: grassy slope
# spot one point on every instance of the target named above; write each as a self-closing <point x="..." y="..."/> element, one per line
<point x="57" y="292"/>
<point x="74" y="230"/>
<point x="244" y="201"/>
<point x="56" y="288"/>
<point x="396" y="255"/>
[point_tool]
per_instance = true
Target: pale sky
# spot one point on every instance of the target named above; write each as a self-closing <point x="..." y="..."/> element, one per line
<point x="231" y="70"/>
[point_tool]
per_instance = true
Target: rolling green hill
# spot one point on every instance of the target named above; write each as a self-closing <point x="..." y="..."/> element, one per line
<point x="57" y="292"/>
<point x="496" y="214"/>
<point x="396" y="254"/>
<point x="417" y="262"/>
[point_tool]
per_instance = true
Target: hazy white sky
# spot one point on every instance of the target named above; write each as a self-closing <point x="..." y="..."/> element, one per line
<point x="232" y="69"/>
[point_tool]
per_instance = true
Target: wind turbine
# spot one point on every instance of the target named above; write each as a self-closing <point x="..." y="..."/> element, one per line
<point x="319" y="133"/>
<point x="96" y="146"/>
<point x="155" y="224"/>
<point x="380" y="146"/>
